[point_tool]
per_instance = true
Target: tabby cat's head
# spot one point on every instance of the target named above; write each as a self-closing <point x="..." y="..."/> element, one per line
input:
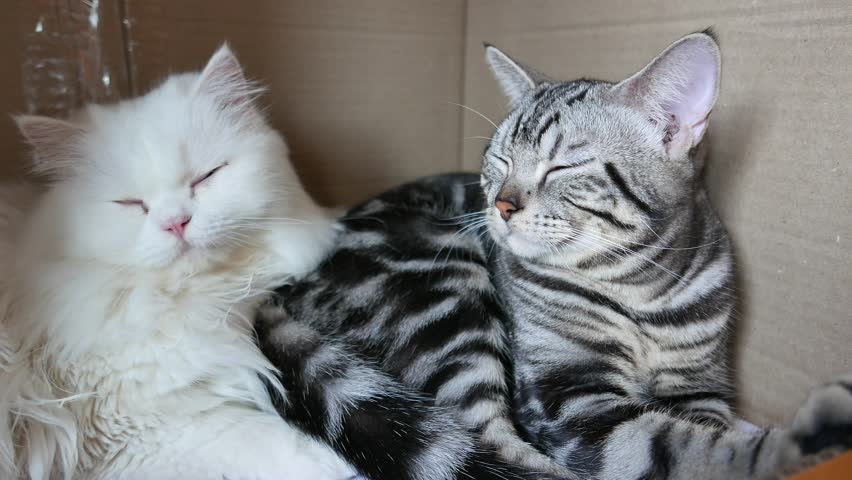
<point x="588" y="165"/>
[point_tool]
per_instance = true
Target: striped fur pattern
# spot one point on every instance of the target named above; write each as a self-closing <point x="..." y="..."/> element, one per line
<point x="619" y="278"/>
<point x="395" y="349"/>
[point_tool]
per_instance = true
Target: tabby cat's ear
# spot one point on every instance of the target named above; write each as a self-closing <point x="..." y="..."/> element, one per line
<point x="223" y="79"/>
<point x="55" y="143"/>
<point x="677" y="90"/>
<point x="515" y="79"/>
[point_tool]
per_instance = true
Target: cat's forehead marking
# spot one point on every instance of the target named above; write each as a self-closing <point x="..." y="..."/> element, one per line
<point x="548" y="124"/>
<point x="557" y="138"/>
<point x="546" y="106"/>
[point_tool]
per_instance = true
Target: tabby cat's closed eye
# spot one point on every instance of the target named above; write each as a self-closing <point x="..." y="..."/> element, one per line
<point x="561" y="168"/>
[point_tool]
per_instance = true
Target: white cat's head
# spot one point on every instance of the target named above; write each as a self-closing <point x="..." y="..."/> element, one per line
<point x="185" y="172"/>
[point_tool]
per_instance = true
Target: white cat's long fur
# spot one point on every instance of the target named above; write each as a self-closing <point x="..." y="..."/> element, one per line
<point x="27" y="403"/>
<point x="149" y="339"/>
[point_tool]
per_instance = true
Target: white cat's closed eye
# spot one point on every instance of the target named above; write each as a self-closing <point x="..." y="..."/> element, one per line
<point x="206" y="176"/>
<point x="136" y="202"/>
<point x="132" y="202"/>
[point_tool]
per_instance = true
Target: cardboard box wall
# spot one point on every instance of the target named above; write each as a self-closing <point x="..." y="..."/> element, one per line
<point x="366" y="91"/>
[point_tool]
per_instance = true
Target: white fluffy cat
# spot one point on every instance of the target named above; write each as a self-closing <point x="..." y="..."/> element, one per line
<point x="169" y="217"/>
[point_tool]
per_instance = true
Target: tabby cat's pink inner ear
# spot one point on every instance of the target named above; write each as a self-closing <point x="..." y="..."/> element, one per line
<point x="682" y="83"/>
<point x="698" y="67"/>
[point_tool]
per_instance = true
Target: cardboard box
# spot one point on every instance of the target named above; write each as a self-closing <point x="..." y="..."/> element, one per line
<point x="366" y="92"/>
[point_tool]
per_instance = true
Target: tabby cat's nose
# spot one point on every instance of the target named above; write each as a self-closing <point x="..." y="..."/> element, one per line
<point x="507" y="207"/>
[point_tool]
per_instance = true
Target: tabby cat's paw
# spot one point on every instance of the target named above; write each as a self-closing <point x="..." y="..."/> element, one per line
<point x="824" y="422"/>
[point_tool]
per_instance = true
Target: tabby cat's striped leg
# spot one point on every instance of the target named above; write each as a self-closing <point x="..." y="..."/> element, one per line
<point x="654" y="445"/>
<point x="706" y="404"/>
<point x="385" y="430"/>
<point x="610" y="437"/>
<point x="388" y="431"/>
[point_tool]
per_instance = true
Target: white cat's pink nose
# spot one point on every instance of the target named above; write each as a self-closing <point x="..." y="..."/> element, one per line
<point x="177" y="225"/>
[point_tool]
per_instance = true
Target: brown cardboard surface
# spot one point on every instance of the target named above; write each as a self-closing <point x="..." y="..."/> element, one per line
<point x="11" y="94"/>
<point x="839" y="468"/>
<point x="361" y="89"/>
<point x="55" y="55"/>
<point x="780" y="168"/>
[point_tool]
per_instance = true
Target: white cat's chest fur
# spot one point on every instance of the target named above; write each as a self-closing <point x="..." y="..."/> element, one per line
<point x="152" y="343"/>
<point x="150" y="358"/>
<point x="143" y="379"/>
<point x="146" y="354"/>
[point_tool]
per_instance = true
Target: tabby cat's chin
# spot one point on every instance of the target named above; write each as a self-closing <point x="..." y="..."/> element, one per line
<point x="518" y="242"/>
<point x="524" y="245"/>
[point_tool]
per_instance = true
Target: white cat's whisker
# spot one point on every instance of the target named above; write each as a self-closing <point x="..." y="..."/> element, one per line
<point x="280" y="220"/>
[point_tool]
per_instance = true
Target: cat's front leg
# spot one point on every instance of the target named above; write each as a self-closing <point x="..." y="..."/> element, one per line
<point x="823" y="425"/>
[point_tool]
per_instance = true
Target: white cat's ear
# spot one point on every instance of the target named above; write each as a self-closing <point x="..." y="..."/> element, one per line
<point x="515" y="79"/>
<point x="223" y="78"/>
<point x="55" y="143"/>
<point x="678" y="89"/>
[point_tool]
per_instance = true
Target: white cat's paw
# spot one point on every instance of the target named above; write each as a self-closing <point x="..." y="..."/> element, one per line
<point x="824" y="422"/>
<point x="314" y="464"/>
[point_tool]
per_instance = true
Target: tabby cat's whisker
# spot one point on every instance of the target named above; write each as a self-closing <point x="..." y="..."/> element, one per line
<point x="471" y="214"/>
<point x="461" y="219"/>
<point x="606" y="252"/>
<point x="636" y="254"/>
<point x="645" y="222"/>
<point x="475" y="111"/>
<point x="661" y="248"/>
<point x="479" y="223"/>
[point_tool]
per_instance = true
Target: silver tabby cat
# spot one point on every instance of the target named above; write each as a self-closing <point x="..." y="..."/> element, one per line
<point x="619" y="278"/>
